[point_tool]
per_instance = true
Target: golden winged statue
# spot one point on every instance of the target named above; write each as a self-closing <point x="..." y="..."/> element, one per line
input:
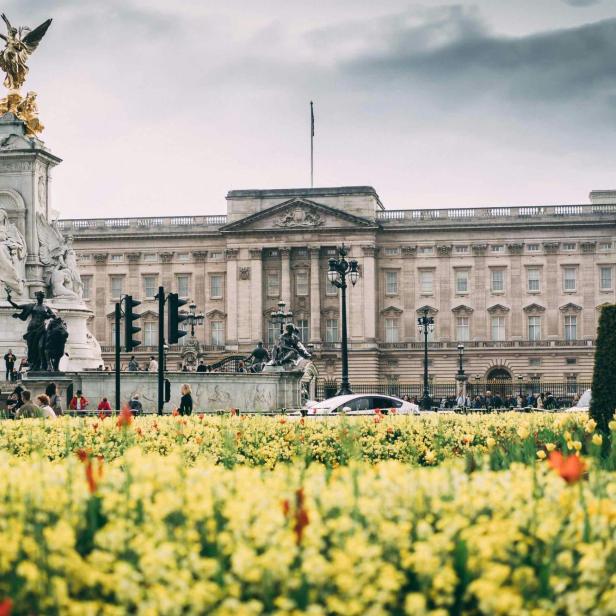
<point x="20" y="44"/>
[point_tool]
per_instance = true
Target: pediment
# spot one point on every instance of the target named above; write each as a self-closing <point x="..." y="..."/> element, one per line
<point x="534" y="308"/>
<point x="391" y="310"/>
<point x="570" y="307"/>
<point x="429" y="309"/>
<point x="216" y="314"/>
<point x="144" y="315"/>
<point x="462" y="309"/>
<point x="298" y="214"/>
<point x="498" y="308"/>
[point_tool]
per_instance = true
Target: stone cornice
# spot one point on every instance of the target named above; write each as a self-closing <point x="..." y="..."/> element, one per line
<point x="101" y="257"/>
<point x="166" y="257"/>
<point x="479" y="249"/>
<point x="199" y="255"/>
<point x="515" y="248"/>
<point x="444" y="250"/>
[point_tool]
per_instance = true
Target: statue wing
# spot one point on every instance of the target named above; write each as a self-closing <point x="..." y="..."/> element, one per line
<point x="6" y="21"/>
<point x="33" y="38"/>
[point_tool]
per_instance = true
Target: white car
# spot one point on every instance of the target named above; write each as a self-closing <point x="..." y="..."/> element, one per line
<point x="362" y="404"/>
<point x="583" y="404"/>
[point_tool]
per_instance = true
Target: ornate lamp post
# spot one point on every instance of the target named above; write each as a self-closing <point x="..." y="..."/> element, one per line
<point x="339" y="269"/>
<point x="280" y="316"/>
<point x="194" y="319"/>
<point x="425" y="324"/>
<point x="461" y="377"/>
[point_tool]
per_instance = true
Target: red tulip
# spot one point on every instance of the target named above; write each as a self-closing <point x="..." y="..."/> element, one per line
<point x="570" y="468"/>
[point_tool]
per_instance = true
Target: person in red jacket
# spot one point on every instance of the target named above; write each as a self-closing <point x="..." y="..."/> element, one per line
<point x="78" y="402"/>
<point x="104" y="405"/>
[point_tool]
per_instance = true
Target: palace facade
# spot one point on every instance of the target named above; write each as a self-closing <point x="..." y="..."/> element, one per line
<point x="519" y="286"/>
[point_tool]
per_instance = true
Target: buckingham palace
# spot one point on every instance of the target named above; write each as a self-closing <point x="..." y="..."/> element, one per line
<point x="520" y="286"/>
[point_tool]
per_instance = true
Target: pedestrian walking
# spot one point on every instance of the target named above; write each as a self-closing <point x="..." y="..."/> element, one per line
<point x="186" y="402"/>
<point x="9" y="364"/>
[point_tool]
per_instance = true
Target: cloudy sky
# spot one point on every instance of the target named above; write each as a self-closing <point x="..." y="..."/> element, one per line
<point x="160" y="107"/>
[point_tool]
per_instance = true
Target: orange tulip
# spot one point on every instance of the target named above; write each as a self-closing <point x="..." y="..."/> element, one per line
<point x="6" y="607"/>
<point x="570" y="468"/>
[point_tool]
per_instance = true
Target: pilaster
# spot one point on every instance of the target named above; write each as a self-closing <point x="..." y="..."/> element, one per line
<point x="285" y="256"/>
<point x="256" y="295"/>
<point x="315" y="295"/>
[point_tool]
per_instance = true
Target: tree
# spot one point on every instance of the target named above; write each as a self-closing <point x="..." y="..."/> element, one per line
<point x="603" y="401"/>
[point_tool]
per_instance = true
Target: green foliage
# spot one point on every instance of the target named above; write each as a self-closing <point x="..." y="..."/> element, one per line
<point x="604" y="377"/>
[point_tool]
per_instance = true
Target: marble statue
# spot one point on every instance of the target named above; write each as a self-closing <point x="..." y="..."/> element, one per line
<point x="61" y="283"/>
<point x="20" y="44"/>
<point x="13" y="255"/>
<point x="51" y="242"/>
<point x="70" y="263"/>
<point x="38" y="314"/>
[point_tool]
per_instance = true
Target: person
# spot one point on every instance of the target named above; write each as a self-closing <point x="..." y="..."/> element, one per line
<point x="201" y="367"/>
<point x="133" y="364"/>
<point x="135" y="405"/>
<point x="23" y="368"/>
<point x="9" y="362"/>
<point x="51" y="391"/>
<point x="462" y="401"/>
<point x="28" y="409"/>
<point x="186" y="402"/>
<point x="520" y="401"/>
<point x="43" y="402"/>
<point x="14" y="400"/>
<point x="153" y="367"/>
<point x="79" y="402"/>
<point x="104" y="405"/>
<point x="540" y="402"/>
<point x="551" y="403"/>
<point x="240" y="366"/>
<point x="259" y="356"/>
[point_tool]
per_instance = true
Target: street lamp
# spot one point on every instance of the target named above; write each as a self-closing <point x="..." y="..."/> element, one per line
<point x="425" y="325"/>
<point x="461" y="377"/>
<point x="280" y="316"/>
<point x="337" y="274"/>
<point x="193" y="318"/>
<point x="520" y="379"/>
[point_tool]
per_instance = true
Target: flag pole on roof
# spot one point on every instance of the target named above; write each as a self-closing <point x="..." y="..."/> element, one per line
<point x="311" y="145"/>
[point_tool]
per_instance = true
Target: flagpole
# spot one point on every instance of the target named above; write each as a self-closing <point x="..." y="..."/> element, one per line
<point x="311" y="146"/>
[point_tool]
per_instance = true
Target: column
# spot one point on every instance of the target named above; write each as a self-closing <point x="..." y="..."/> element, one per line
<point x="134" y="287"/>
<point x="100" y="283"/>
<point x="443" y="279"/>
<point x="285" y="255"/>
<point x="231" y="298"/>
<point x="167" y="272"/>
<point x="587" y="276"/>
<point x="315" y="295"/>
<point x="200" y="295"/>
<point x="481" y="289"/>
<point x="408" y="293"/>
<point x="369" y="285"/>
<point x="553" y="292"/>
<point x="256" y="295"/>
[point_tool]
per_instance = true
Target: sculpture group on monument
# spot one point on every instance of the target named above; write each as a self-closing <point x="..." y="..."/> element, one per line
<point x="36" y="260"/>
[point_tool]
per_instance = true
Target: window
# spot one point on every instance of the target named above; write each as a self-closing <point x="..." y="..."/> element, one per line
<point x="304" y="331"/>
<point x="272" y="252"/>
<point x="533" y="280"/>
<point x="117" y="286"/>
<point x="498" y="328"/>
<point x="534" y="328"/>
<point x="183" y="257"/>
<point x="216" y="255"/>
<point x="569" y="276"/>
<point x="497" y="280"/>
<point x="462" y="329"/>
<point x="462" y="281"/>
<point x="533" y="247"/>
<point x="571" y="361"/>
<point x="117" y="258"/>
<point x="331" y="330"/>
<point x="183" y="285"/>
<point x="273" y="331"/>
<point x="569" y="246"/>
<point x="391" y="251"/>
<point x="391" y="283"/>
<point x="216" y="281"/>
<point x="498" y="248"/>
<point x="150" y="333"/>
<point x="301" y="283"/>
<point x="150" y="258"/>
<point x="392" y="330"/>
<point x="570" y="327"/>
<point x="218" y="333"/>
<point x="273" y="283"/>
<point x="426" y="282"/>
<point x="301" y="253"/>
<point x="605" y="278"/>
<point x="534" y="361"/>
<point x="605" y="245"/>
<point x="461" y="250"/>
<point x="330" y="289"/>
<point x="425" y="250"/>
<point x="149" y="286"/>
<point x="86" y="281"/>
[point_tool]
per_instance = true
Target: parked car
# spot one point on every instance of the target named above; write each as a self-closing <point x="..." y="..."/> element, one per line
<point x="362" y="404"/>
<point x="583" y="404"/>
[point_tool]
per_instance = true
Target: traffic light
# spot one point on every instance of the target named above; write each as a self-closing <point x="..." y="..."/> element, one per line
<point x="167" y="390"/>
<point x="174" y="332"/>
<point x="129" y="329"/>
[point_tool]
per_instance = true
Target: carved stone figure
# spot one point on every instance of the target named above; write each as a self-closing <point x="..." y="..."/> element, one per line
<point x="51" y="242"/>
<point x="38" y="314"/>
<point x="20" y="44"/>
<point x="300" y="217"/>
<point x="289" y="348"/>
<point x="70" y="262"/>
<point x="61" y="284"/>
<point x="13" y="254"/>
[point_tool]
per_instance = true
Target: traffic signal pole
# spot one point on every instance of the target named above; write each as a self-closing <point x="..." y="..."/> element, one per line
<point x="118" y="317"/>
<point x="161" y="349"/>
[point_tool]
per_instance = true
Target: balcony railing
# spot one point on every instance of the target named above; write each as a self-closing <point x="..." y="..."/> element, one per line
<point x="486" y="344"/>
<point x="164" y="222"/>
<point x="479" y="213"/>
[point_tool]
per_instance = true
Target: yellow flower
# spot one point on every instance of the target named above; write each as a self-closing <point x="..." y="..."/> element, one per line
<point x="612" y="425"/>
<point x="429" y="457"/>
<point x="490" y="442"/>
<point x="577" y="445"/>
<point x="541" y="454"/>
<point x="523" y="432"/>
<point x="597" y="439"/>
<point x="550" y="446"/>
<point x="590" y="426"/>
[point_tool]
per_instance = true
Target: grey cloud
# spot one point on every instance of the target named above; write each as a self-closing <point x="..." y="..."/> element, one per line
<point x="581" y="2"/>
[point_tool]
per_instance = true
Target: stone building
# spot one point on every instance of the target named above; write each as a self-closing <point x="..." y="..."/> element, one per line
<point x="519" y="286"/>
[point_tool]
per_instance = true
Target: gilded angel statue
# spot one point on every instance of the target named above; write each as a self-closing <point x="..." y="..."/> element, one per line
<point x="20" y="43"/>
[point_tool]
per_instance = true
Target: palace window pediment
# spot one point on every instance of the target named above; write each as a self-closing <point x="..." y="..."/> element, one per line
<point x="216" y="314"/>
<point x="431" y="311"/>
<point x="391" y="311"/>
<point x="498" y="309"/>
<point x="462" y="310"/>
<point x="570" y="307"/>
<point x="534" y="308"/>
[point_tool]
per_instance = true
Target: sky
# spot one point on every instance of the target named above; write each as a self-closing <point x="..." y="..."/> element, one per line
<point x="161" y="107"/>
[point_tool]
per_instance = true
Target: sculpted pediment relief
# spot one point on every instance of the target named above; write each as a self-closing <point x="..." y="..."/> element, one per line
<point x="298" y="215"/>
<point x="462" y="309"/>
<point x="429" y="309"/>
<point x="498" y="309"/>
<point x="571" y="307"/>
<point x="534" y="308"/>
<point x="392" y="311"/>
